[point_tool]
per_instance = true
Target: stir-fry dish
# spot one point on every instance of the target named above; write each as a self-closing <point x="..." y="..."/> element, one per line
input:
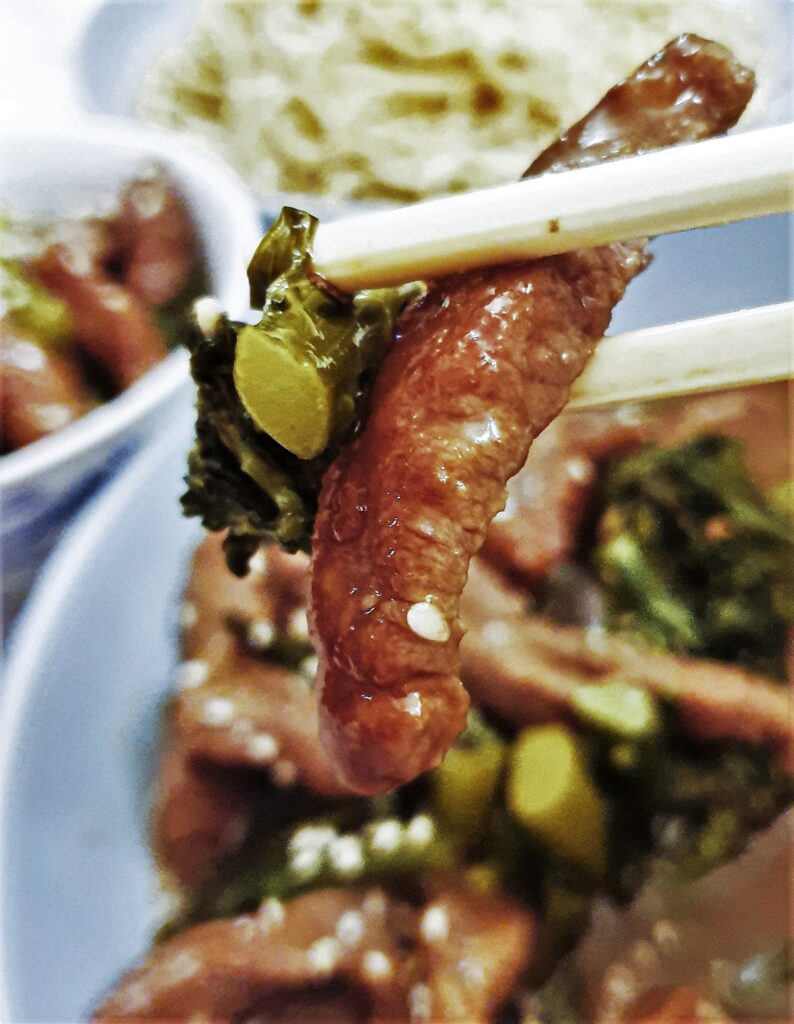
<point x="495" y="752"/>
<point x="599" y="844"/>
<point x="91" y="303"/>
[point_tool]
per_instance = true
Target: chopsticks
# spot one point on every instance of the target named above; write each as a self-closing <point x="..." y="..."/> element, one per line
<point x="753" y="346"/>
<point x="688" y="186"/>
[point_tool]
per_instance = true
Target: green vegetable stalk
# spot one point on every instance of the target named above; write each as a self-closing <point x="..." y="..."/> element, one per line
<point x="276" y="399"/>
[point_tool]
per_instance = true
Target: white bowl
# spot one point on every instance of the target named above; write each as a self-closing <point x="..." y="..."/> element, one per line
<point x="52" y="173"/>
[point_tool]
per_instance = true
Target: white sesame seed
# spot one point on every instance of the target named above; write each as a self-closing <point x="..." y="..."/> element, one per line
<point x="386" y="835"/>
<point x="579" y="469"/>
<point x="188" y="616"/>
<point x="434" y="925"/>
<point x="114" y="298"/>
<point x="420" y="829"/>
<point x="262" y="746"/>
<point x="133" y="997"/>
<point x="306" y="862"/>
<point x="261" y="634"/>
<point x="217" y="711"/>
<point x="427" y="621"/>
<point x="412" y="704"/>
<point x="376" y="966"/>
<point x="180" y="967"/>
<point x="346" y="856"/>
<point x="284" y="773"/>
<point x="271" y="913"/>
<point x="298" y="625"/>
<point x="207" y="312"/>
<point x="665" y="935"/>
<point x="308" y="667"/>
<point x="420" y="1002"/>
<point x="312" y="837"/>
<point x="257" y="564"/>
<point x="473" y="972"/>
<point x="191" y="674"/>
<point x="350" y="928"/>
<point x="323" y="955"/>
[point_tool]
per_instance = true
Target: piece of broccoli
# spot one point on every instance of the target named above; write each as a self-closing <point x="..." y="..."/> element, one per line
<point x="694" y="557"/>
<point x="277" y="399"/>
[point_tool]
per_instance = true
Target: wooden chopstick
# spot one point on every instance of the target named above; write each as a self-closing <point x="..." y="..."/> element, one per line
<point x="753" y="346"/>
<point x="689" y="186"/>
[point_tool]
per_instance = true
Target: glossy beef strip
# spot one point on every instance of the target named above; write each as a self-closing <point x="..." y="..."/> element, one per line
<point x="455" y="960"/>
<point x="476" y="370"/>
<point x="527" y="668"/>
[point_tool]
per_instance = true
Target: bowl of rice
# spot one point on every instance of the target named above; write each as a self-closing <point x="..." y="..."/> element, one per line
<point x="329" y="102"/>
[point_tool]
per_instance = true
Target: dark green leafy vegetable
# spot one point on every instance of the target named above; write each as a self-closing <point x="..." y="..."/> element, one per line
<point x="693" y="556"/>
<point x="277" y="399"/>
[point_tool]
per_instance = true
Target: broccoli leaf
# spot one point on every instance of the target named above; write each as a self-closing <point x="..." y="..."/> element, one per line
<point x="694" y="557"/>
<point x="277" y="399"/>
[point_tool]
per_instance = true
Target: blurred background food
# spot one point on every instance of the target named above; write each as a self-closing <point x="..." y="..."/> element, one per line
<point x="92" y="302"/>
<point x="386" y="100"/>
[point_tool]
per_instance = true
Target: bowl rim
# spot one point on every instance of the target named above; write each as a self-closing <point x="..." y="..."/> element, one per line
<point x="45" y="606"/>
<point x="105" y="423"/>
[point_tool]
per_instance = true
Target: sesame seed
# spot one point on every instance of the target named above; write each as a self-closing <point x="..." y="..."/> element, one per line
<point x="350" y="928"/>
<point x="306" y="862"/>
<point x="308" y="667"/>
<point x="312" y="837"/>
<point x="114" y="298"/>
<point x="579" y="469"/>
<point x="262" y="746"/>
<point x="376" y="966"/>
<point x="473" y="972"/>
<point x="665" y="935"/>
<point x="386" y="835"/>
<point x="420" y="1002"/>
<point x="420" y="829"/>
<point x="271" y="913"/>
<point x="207" y="312"/>
<point x="257" y="564"/>
<point x="261" y="634"/>
<point x="323" y="955"/>
<point x="620" y="982"/>
<point x="298" y="625"/>
<point x="188" y="616"/>
<point x="217" y="711"/>
<point x="346" y="856"/>
<point x="427" y="621"/>
<point x="434" y="925"/>
<point x="191" y="674"/>
<point x="284" y="773"/>
<point x="180" y="967"/>
<point x="412" y="704"/>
